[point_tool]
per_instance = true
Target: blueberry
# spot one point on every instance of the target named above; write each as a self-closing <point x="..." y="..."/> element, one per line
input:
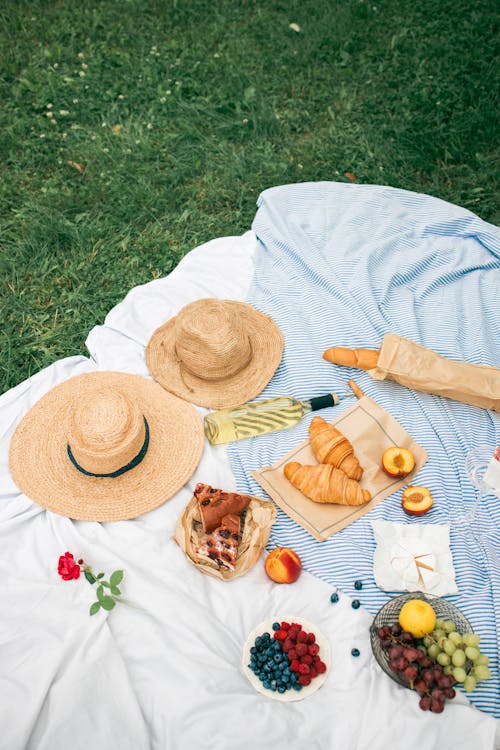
<point x="355" y="604"/>
<point x="276" y="626"/>
<point x="334" y="598"/>
<point x="358" y="585"/>
<point x="273" y="688"/>
<point x="267" y="684"/>
<point x="355" y="652"/>
<point x="278" y="658"/>
<point x="281" y="689"/>
<point x="258" y="641"/>
<point x="297" y="686"/>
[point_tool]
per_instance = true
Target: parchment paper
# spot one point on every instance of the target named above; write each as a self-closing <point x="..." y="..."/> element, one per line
<point x="371" y="430"/>
<point x="257" y="520"/>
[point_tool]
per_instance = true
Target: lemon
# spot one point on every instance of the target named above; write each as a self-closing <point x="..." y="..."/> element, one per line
<point x="417" y="617"/>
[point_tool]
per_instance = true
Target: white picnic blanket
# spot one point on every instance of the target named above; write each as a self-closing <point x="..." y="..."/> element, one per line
<point x="163" y="671"/>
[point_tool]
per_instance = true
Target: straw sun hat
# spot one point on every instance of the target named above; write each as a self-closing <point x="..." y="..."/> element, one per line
<point x="215" y="353"/>
<point x="105" y="446"/>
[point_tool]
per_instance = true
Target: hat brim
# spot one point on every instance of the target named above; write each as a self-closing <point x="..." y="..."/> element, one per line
<point x="40" y="466"/>
<point x="267" y="344"/>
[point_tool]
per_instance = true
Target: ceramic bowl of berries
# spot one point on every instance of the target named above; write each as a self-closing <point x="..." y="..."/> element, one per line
<point x="434" y="656"/>
<point x="286" y="658"/>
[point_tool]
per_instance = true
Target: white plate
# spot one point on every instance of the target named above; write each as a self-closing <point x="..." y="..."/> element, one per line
<point x="288" y="695"/>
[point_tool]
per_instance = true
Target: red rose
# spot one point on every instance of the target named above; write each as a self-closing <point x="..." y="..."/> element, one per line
<point x="67" y="567"/>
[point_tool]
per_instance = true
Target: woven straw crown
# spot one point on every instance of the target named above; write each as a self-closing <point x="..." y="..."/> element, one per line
<point x="107" y="432"/>
<point x="211" y="339"/>
<point x="215" y="353"/>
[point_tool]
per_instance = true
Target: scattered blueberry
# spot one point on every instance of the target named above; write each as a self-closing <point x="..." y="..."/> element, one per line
<point x="358" y="585"/>
<point x="334" y="598"/>
<point x="355" y="652"/>
<point x="276" y="626"/>
<point x="356" y="604"/>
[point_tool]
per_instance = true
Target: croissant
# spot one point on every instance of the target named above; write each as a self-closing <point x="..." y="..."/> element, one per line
<point x="330" y="446"/>
<point x="363" y="359"/>
<point x="324" y="483"/>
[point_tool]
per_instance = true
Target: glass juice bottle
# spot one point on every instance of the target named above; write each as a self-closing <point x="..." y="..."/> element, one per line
<point x="259" y="417"/>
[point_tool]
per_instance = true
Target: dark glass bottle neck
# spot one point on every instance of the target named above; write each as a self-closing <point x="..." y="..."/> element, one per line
<point x="323" y="402"/>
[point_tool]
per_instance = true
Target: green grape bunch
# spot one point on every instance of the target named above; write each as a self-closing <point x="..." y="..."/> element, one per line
<point x="459" y="654"/>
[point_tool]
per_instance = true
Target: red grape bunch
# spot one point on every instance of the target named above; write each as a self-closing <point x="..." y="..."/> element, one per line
<point x="416" y="668"/>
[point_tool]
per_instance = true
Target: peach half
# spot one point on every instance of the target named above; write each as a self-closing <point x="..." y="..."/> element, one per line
<point x="283" y="565"/>
<point x="416" y="500"/>
<point x="398" y="462"/>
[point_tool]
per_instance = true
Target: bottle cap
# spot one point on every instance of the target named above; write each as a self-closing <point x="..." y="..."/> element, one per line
<point x="322" y="402"/>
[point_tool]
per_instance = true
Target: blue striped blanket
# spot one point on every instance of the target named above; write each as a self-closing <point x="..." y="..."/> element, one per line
<point x="341" y="265"/>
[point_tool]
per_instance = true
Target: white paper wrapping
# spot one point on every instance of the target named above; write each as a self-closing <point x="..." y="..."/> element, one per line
<point x="413" y="558"/>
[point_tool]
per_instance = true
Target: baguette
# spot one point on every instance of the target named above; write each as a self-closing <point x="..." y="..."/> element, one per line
<point x="363" y="359"/>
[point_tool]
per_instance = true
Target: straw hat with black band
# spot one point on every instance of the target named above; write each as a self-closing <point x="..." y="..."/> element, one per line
<point x="216" y="353"/>
<point x="105" y="446"/>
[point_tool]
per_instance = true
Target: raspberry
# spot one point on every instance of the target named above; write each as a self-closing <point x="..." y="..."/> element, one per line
<point x="287" y="644"/>
<point x="307" y="659"/>
<point x="280" y="635"/>
<point x="294" y="666"/>
<point x="292" y="654"/>
<point x="303" y="669"/>
<point x="313" y="649"/>
<point x="313" y="673"/>
<point x="316" y="660"/>
<point x="321" y="667"/>
<point x="311" y="637"/>
<point x="293" y="633"/>
<point x="302" y="636"/>
<point x="301" y="649"/>
<point x="285" y="626"/>
<point x="304" y="680"/>
<point x="297" y="626"/>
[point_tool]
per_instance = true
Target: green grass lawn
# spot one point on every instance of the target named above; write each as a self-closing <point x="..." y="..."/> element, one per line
<point x="180" y="113"/>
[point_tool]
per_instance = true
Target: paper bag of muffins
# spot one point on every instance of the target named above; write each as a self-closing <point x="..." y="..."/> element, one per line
<point x="256" y="522"/>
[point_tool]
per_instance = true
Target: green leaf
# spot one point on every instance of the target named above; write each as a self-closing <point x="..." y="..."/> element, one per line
<point x="116" y="577"/>
<point x="100" y="593"/>
<point x="105" y="583"/>
<point x="115" y="590"/>
<point x="94" y="608"/>
<point x="89" y="576"/>
<point x="101" y="575"/>
<point x="107" y="603"/>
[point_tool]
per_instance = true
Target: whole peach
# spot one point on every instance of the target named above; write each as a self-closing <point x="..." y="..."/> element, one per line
<point x="283" y="565"/>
